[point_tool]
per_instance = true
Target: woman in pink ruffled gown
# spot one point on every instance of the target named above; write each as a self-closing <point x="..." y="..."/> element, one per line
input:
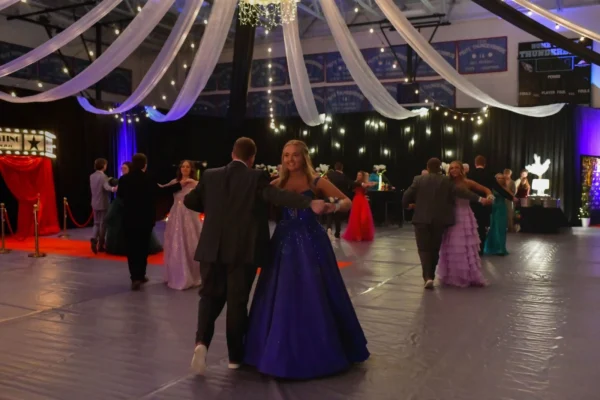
<point x="182" y="235"/>
<point x="459" y="263"/>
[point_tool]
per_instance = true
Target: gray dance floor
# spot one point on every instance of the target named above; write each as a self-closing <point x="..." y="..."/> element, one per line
<point x="70" y="329"/>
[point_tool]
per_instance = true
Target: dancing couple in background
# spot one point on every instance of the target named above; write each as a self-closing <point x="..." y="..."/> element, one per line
<point x="115" y="234"/>
<point x="483" y="177"/>
<point x="300" y="295"/>
<point x="436" y="209"/>
<point x="139" y="193"/>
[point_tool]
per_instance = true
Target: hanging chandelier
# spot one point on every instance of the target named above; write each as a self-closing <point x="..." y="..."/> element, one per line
<point x="267" y="13"/>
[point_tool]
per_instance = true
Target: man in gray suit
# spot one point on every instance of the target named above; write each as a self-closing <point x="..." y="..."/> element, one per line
<point x="433" y="198"/>
<point x="101" y="190"/>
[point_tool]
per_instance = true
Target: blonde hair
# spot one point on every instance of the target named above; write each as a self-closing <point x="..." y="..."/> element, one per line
<point x="365" y="176"/>
<point x="307" y="168"/>
<point x="461" y="168"/>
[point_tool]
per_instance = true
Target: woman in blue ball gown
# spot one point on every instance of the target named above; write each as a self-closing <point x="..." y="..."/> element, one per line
<point x="302" y="322"/>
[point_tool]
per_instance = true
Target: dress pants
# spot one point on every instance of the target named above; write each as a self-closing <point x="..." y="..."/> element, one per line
<point x="429" y="240"/>
<point x="225" y="284"/>
<point x="138" y="247"/>
<point x="335" y="218"/>
<point x="482" y="215"/>
<point x="99" y="231"/>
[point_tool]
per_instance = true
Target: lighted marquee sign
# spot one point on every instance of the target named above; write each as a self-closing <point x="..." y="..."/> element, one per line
<point x="24" y="142"/>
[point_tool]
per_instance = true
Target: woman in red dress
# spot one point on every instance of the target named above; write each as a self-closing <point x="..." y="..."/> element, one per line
<point x="360" y="225"/>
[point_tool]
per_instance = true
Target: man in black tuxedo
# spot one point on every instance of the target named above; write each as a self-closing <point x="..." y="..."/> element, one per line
<point x="433" y="197"/>
<point x="139" y="192"/>
<point x="345" y="185"/>
<point x="233" y="243"/>
<point x="482" y="214"/>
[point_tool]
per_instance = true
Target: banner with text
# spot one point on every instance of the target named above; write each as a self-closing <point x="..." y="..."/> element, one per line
<point x="481" y="56"/>
<point x="445" y="49"/>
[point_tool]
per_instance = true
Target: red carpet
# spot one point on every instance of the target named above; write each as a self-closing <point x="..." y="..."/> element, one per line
<point x="81" y="249"/>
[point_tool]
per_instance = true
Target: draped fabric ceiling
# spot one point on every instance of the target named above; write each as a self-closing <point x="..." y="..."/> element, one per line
<point x="211" y="47"/>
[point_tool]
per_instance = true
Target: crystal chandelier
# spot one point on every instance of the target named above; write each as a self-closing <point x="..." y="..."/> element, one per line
<point x="267" y="13"/>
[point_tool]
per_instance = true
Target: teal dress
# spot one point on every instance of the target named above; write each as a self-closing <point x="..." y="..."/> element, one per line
<point x="115" y="236"/>
<point x="495" y="243"/>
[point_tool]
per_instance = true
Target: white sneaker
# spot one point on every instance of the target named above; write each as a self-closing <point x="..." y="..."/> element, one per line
<point x="234" y="366"/>
<point x="199" y="360"/>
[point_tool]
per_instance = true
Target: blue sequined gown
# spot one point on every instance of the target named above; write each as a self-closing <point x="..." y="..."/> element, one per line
<point x="302" y="322"/>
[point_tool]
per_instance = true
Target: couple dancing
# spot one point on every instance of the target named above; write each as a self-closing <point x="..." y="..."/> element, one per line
<point x="302" y="324"/>
<point x="445" y="227"/>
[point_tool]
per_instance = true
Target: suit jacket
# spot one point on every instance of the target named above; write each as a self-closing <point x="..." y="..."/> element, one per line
<point x="235" y="201"/>
<point x="101" y="190"/>
<point x="434" y="196"/>
<point x="341" y="181"/>
<point x="139" y="193"/>
<point x="487" y="179"/>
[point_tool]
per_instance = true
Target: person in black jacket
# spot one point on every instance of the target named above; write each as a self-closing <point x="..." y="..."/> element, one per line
<point x="482" y="214"/>
<point x="345" y="185"/>
<point x="233" y="243"/>
<point x="138" y="191"/>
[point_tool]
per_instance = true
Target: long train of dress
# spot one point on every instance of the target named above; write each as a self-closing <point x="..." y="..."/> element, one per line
<point x="302" y="321"/>
<point x="181" y="238"/>
<point x="459" y="263"/>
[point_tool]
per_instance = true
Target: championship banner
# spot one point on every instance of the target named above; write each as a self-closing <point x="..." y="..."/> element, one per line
<point x="549" y="75"/>
<point x="482" y="56"/>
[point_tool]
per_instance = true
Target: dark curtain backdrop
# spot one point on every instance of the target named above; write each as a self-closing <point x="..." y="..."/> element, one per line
<point x="508" y="141"/>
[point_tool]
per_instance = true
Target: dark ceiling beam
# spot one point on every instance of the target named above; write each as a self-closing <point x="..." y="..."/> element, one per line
<point x="523" y="22"/>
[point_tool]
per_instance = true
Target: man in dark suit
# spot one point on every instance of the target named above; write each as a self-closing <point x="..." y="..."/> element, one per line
<point x="433" y="197"/>
<point x="345" y="185"/>
<point x="482" y="214"/>
<point x="139" y="192"/>
<point x="234" y="241"/>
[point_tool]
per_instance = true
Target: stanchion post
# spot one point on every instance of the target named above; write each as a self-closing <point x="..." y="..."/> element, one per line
<point x="64" y="234"/>
<point x="36" y="253"/>
<point x="3" y="249"/>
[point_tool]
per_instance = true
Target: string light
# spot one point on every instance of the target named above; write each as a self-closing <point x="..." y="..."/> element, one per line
<point x="355" y="9"/>
<point x="475" y="137"/>
<point x="371" y="30"/>
<point x="268" y="14"/>
<point x="91" y="53"/>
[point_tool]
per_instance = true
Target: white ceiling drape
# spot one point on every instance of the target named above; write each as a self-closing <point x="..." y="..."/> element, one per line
<point x="299" y="81"/>
<point x="424" y="49"/>
<point x="383" y="102"/>
<point x="58" y="41"/>
<point x="7" y="3"/>
<point x="123" y="46"/>
<point x="159" y="67"/>
<point x="204" y="63"/>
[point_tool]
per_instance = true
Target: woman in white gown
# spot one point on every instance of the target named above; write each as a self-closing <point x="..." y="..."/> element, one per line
<point x="182" y="235"/>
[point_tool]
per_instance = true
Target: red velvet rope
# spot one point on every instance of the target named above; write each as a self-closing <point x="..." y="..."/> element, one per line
<point x="10" y="229"/>
<point x="75" y="222"/>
